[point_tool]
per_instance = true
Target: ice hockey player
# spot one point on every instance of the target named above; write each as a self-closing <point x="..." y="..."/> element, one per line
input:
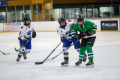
<point x="87" y="28"/>
<point x="26" y="32"/>
<point x="63" y="32"/>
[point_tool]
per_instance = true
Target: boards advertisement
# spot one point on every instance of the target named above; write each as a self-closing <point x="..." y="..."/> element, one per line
<point x="109" y="25"/>
<point x="3" y="3"/>
<point x="12" y="26"/>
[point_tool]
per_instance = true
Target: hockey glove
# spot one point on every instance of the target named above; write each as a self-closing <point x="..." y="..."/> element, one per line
<point x="81" y="35"/>
<point x="33" y="34"/>
<point x="89" y="33"/>
<point x="63" y="39"/>
<point x="69" y="36"/>
<point x="67" y="33"/>
<point x="25" y="42"/>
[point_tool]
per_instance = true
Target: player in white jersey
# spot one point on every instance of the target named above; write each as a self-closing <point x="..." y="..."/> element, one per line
<point x="26" y="32"/>
<point x="67" y="39"/>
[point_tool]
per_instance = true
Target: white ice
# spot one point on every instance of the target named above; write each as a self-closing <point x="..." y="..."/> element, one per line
<point x="106" y="58"/>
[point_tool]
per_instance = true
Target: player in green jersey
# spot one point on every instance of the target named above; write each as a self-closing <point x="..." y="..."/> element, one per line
<point x="87" y="28"/>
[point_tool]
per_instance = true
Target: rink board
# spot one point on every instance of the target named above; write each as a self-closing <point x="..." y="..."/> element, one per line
<point x="50" y="26"/>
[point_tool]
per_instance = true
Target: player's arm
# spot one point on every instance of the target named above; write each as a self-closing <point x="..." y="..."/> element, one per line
<point x="33" y="33"/>
<point x="63" y="39"/>
<point x="91" y="26"/>
<point x="94" y="26"/>
<point x="73" y="30"/>
<point x="59" y="32"/>
<point x="22" y="33"/>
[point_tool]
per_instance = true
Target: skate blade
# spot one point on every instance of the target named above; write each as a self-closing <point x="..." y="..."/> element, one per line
<point x="25" y="58"/>
<point x="17" y="61"/>
<point x="90" y="66"/>
<point x="77" y="65"/>
<point x="64" y="65"/>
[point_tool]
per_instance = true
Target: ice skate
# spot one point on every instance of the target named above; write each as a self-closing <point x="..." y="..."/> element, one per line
<point x="90" y="63"/>
<point x="65" y="63"/>
<point x="24" y="56"/>
<point x="78" y="63"/>
<point x="18" y="59"/>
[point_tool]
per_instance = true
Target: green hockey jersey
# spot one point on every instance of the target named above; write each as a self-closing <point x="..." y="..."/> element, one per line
<point x="88" y="26"/>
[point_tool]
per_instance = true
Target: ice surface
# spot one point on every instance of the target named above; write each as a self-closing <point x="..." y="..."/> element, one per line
<point x="106" y="58"/>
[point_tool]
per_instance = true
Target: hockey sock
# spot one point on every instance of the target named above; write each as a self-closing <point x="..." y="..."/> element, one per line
<point x="89" y="51"/>
<point x="66" y="56"/>
<point x="19" y="54"/>
<point x="82" y="53"/>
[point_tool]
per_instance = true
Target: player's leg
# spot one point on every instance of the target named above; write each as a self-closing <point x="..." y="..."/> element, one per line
<point x="82" y="52"/>
<point x="65" y="53"/>
<point x="21" y="51"/>
<point x="77" y="46"/>
<point x="28" y="49"/>
<point x="89" y="46"/>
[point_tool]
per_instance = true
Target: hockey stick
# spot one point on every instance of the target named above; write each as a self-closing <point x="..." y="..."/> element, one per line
<point x="4" y="53"/>
<point x="36" y="63"/>
<point x="67" y="48"/>
<point x="22" y="46"/>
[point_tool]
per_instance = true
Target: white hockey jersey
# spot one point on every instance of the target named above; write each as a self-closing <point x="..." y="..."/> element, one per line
<point x="25" y="32"/>
<point x="62" y="32"/>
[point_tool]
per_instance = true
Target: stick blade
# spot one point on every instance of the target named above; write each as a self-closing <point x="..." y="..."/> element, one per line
<point x="15" y="49"/>
<point x="37" y="63"/>
<point x="49" y="59"/>
<point x="7" y="53"/>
